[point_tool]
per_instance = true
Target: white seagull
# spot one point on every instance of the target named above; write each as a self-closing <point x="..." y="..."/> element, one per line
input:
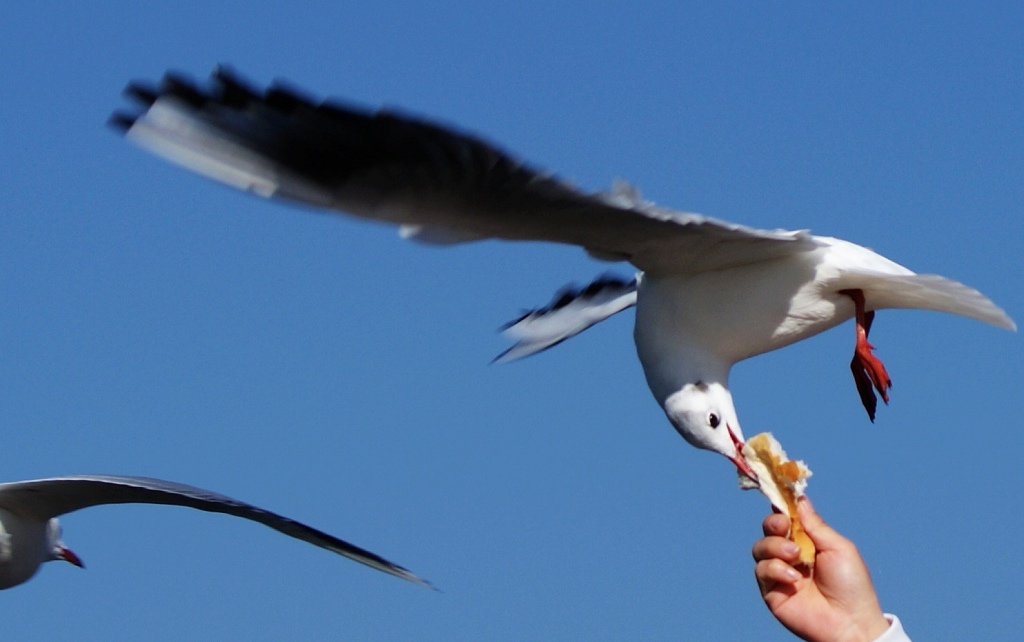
<point x="30" y="533"/>
<point x="709" y="294"/>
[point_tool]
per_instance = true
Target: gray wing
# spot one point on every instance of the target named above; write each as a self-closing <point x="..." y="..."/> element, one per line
<point x="46" y="498"/>
<point x="572" y="311"/>
<point x="440" y="185"/>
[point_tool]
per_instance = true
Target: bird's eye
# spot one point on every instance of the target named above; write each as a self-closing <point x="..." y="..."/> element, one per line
<point x="714" y="420"/>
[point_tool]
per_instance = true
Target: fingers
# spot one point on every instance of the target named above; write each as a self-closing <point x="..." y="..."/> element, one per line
<point x="808" y="516"/>
<point x="776" y="556"/>
<point x="775" y="524"/>
<point x="773" y="572"/>
<point x="823" y="536"/>
<point x="775" y="547"/>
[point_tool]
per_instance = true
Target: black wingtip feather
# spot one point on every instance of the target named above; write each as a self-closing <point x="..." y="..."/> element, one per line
<point x="141" y="93"/>
<point x="121" y="121"/>
<point x="286" y="99"/>
<point x="183" y="88"/>
<point x="231" y="90"/>
<point x="225" y="73"/>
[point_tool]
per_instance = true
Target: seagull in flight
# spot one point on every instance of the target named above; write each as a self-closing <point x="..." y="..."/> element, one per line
<point x="30" y="532"/>
<point x="708" y="293"/>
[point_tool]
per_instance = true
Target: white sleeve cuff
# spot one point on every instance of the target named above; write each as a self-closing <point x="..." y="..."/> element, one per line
<point x="895" y="631"/>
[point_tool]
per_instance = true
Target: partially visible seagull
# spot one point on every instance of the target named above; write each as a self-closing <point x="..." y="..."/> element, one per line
<point x="30" y="533"/>
<point x="709" y="293"/>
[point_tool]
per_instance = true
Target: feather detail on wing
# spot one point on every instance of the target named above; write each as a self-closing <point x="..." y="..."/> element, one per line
<point x="443" y="186"/>
<point x="572" y="311"/>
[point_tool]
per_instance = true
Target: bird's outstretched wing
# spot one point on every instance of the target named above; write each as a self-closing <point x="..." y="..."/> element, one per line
<point x="46" y="498"/>
<point x="440" y="185"/>
<point x="572" y="311"/>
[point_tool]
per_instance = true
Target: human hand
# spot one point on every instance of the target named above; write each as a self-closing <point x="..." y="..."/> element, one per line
<point x="835" y="602"/>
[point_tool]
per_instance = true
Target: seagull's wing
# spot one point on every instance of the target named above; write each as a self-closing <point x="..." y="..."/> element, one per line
<point x="439" y="185"/>
<point x="46" y="498"/>
<point x="572" y="311"/>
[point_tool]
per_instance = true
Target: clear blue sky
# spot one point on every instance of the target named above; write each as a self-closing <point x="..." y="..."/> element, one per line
<point x="152" y="322"/>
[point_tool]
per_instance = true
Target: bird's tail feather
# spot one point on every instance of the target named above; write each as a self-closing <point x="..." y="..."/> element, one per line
<point x="932" y="292"/>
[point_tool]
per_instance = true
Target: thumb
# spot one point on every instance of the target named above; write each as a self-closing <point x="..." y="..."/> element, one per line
<point x="824" y="536"/>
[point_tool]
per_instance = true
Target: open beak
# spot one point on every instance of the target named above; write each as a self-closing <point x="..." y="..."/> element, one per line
<point x="68" y="555"/>
<point x="739" y="460"/>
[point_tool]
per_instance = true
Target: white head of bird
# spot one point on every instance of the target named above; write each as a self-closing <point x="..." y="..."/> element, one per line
<point x="55" y="545"/>
<point x="704" y="415"/>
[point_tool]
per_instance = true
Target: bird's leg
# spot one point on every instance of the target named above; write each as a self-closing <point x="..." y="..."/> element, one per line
<point x="868" y="371"/>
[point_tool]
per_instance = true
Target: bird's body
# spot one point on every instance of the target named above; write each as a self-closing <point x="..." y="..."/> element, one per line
<point x="710" y="293"/>
<point x="24" y="546"/>
<point x="700" y="324"/>
<point x="30" y="532"/>
<point x="695" y="327"/>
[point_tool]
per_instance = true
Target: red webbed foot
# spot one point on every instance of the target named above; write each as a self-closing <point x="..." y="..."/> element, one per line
<point x="868" y="372"/>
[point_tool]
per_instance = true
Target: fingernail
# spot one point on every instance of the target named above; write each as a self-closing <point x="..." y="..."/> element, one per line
<point x="790" y="548"/>
<point x="792" y="574"/>
<point x="804" y="505"/>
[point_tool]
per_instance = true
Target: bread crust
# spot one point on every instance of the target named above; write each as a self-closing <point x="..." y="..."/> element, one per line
<point x="783" y="481"/>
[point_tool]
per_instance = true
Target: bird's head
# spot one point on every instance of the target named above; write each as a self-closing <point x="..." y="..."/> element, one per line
<point x="56" y="547"/>
<point x="703" y="414"/>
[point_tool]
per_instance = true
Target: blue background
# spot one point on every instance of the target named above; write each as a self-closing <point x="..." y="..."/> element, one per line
<point x="155" y="323"/>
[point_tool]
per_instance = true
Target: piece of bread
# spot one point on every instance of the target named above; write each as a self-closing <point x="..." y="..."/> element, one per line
<point x="782" y="481"/>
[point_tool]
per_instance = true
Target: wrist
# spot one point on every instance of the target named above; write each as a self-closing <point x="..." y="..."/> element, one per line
<point x="866" y="627"/>
<point x="878" y="626"/>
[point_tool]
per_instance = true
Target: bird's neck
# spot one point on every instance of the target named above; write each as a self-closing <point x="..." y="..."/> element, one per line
<point x="670" y="369"/>
<point x="673" y="339"/>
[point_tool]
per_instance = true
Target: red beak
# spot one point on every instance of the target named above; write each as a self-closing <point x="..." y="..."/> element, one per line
<point x="68" y="555"/>
<point x="739" y="460"/>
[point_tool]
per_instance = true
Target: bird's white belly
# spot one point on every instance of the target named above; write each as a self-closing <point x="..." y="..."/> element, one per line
<point x="715" y="319"/>
<point x="22" y="548"/>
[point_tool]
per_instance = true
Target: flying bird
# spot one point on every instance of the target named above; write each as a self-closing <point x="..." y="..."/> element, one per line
<point x="30" y="532"/>
<point x="708" y="293"/>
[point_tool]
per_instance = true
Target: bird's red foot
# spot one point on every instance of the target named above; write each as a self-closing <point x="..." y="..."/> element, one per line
<point x="868" y="372"/>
